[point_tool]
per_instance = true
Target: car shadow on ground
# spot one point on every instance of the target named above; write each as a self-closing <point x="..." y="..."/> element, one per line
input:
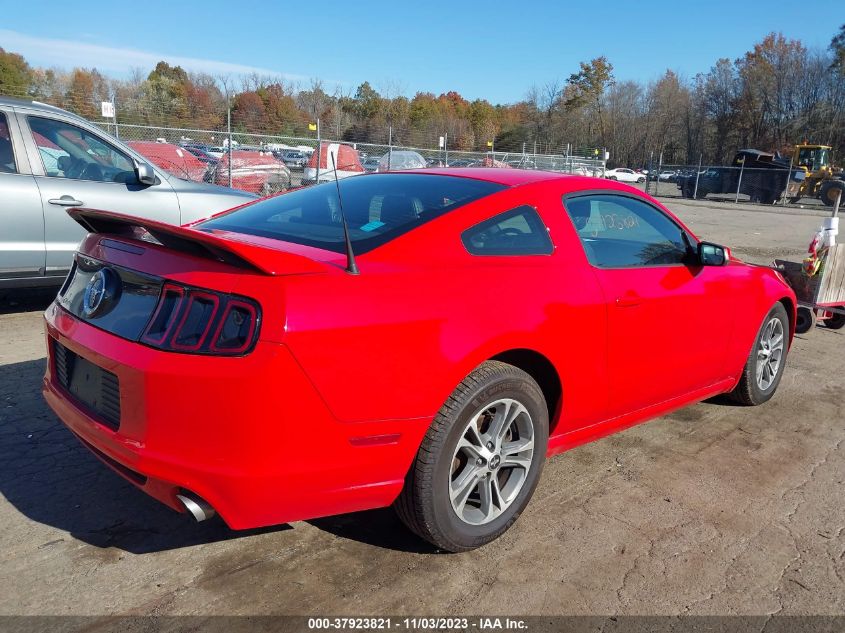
<point x="52" y="479"/>
<point x="26" y="300"/>
<point x="379" y="528"/>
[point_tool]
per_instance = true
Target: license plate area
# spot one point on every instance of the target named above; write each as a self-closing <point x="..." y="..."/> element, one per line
<point x="92" y="388"/>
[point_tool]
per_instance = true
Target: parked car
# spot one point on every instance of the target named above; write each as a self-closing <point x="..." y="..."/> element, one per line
<point x="370" y="163"/>
<point x="254" y="171"/>
<point x="173" y="159"/>
<point x="202" y="153"/>
<point x="623" y="174"/>
<point x="522" y="163"/>
<point x="401" y="159"/>
<point x="334" y="158"/>
<point x="50" y="160"/>
<point x="461" y="162"/>
<point x="251" y="322"/>
<point x="294" y="158"/>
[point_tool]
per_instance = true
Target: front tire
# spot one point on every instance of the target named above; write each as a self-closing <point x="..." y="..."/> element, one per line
<point x="764" y="368"/>
<point x="806" y="320"/>
<point x="830" y="189"/>
<point x="480" y="460"/>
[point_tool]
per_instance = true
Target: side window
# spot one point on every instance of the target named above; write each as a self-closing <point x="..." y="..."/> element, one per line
<point x="7" y="156"/>
<point x="623" y="232"/>
<point x="519" y="231"/>
<point x="71" y="152"/>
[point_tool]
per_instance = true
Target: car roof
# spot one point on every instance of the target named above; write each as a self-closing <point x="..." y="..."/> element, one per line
<point x="500" y="175"/>
<point x="29" y="103"/>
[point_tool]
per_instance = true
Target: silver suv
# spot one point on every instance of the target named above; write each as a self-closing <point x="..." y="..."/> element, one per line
<point x="51" y="160"/>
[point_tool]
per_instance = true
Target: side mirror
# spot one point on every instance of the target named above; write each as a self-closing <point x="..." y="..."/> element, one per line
<point x="710" y="254"/>
<point x="145" y="173"/>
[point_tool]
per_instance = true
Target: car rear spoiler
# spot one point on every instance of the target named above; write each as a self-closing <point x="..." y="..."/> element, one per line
<point x="256" y="258"/>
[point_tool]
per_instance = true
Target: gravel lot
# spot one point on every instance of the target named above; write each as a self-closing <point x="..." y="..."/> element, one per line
<point x="716" y="509"/>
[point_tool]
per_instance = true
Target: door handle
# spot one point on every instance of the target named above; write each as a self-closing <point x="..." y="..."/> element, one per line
<point x="628" y="301"/>
<point x="66" y="201"/>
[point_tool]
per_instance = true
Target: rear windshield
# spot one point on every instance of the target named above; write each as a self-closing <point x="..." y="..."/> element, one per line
<point x="378" y="208"/>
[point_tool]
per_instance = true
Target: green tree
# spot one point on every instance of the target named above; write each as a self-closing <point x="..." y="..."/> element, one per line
<point x="15" y="74"/>
<point x="367" y="102"/>
<point x="837" y="45"/>
<point x="166" y="94"/>
<point x="587" y="88"/>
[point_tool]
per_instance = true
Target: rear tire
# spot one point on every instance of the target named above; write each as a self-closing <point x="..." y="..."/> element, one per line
<point x="835" y="321"/>
<point x="764" y="368"/>
<point x="459" y="494"/>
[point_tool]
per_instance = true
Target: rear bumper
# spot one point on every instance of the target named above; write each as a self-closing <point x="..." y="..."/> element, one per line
<point x="249" y="435"/>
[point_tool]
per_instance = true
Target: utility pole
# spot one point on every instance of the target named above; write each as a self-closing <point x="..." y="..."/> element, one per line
<point x="697" y="174"/>
<point x="229" y="132"/>
<point x="739" y="182"/>
<point x="114" y="110"/>
<point x="320" y="154"/>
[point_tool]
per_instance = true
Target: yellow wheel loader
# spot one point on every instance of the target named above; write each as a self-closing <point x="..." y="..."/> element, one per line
<point x="822" y="180"/>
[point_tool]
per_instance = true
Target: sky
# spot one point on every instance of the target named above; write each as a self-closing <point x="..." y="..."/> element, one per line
<point x="482" y="49"/>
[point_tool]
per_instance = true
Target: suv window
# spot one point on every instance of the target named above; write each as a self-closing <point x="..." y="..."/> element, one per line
<point x="7" y="156"/>
<point x="623" y="232"/>
<point x="378" y="208"/>
<point x="519" y="231"/>
<point x="68" y="151"/>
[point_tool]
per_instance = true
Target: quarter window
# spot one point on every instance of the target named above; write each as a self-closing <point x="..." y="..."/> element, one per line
<point x="71" y="152"/>
<point x="7" y="156"/>
<point x="519" y="231"/>
<point x="623" y="232"/>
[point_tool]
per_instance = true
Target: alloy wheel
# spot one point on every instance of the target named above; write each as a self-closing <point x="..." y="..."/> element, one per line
<point x="769" y="354"/>
<point x="491" y="461"/>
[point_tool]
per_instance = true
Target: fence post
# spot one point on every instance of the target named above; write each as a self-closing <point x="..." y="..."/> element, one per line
<point x="650" y="170"/>
<point x="229" y="132"/>
<point x="389" y="146"/>
<point x="114" y="111"/>
<point x="320" y="153"/>
<point x="657" y="176"/>
<point x="446" y="147"/>
<point x="739" y="182"/>
<point x="697" y="174"/>
<point x="788" y="176"/>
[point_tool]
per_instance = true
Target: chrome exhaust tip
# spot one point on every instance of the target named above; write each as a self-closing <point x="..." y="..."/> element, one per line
<point x="198" y="508"/>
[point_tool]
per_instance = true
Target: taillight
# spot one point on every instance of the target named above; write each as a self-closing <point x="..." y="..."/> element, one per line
<point x="198" y="321"/>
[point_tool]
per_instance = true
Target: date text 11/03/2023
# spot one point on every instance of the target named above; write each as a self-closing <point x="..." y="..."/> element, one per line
<point x="418" y="623"/>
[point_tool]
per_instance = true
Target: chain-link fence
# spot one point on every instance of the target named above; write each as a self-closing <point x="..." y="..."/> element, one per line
<point x="766" y="186"/>
<point x="265" y="163"/>
<point x="273" y="146"/>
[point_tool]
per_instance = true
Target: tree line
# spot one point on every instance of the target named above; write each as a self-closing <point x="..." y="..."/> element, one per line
<point x="777" y="94"/>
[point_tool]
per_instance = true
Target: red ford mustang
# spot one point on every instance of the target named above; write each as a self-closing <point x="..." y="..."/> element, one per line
<point x="420" y="339"/>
